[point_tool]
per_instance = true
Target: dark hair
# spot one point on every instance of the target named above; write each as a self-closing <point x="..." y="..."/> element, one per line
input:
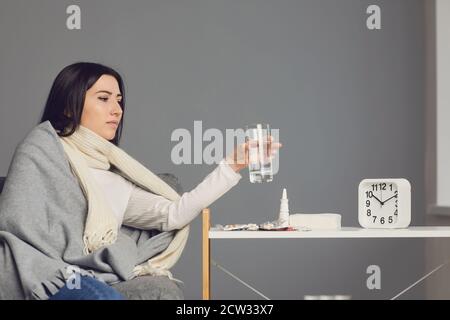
<point x="66" y="98"/>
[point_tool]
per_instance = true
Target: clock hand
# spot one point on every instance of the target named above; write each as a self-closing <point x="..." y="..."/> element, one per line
<point x="394" y="196"/>
<point x="377" y="199"/>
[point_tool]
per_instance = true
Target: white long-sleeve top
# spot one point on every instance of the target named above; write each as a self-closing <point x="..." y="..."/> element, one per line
<point x="136" y="207"/>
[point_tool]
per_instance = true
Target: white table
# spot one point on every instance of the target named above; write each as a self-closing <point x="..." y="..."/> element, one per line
<point x="411" y="232"/>
<point x="344" y="233"/>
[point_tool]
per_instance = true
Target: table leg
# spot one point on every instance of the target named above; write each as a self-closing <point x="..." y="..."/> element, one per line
<point x="206" y="258"/>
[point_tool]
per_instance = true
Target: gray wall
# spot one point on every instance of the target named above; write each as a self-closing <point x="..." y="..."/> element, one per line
<point x="436" y="250"/>
<point x="348" y="102"/>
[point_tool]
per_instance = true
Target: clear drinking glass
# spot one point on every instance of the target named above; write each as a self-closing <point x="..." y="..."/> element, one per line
<point x="259" y="152"/>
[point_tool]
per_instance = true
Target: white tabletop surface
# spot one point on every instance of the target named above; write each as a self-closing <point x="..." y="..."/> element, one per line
<point x="344" y="232"/>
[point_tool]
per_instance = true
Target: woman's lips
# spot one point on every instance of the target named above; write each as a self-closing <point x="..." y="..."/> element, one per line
<point x="113" y="124"/>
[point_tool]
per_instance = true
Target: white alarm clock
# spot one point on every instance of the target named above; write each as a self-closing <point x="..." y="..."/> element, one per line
<point x="384" y="203"/>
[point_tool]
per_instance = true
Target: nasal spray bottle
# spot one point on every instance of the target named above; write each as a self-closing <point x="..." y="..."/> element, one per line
<point x="283" y="219"/>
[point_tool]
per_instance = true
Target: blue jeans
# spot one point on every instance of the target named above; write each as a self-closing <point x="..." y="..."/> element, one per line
<point x="90" y="289"/>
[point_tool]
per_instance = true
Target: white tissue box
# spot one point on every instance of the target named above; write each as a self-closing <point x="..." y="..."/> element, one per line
<point x="316" y="221"/>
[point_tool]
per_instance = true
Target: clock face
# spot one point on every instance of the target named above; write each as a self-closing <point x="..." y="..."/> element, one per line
<point x="384" y="203"/>
<point x="380" y="203"/>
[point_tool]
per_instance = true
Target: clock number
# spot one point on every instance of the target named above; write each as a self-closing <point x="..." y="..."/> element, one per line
<point x="369" y="212"/>
<point x="390" y="186"/>
<point x="369" y="194"/>
<point x="382" y="220"/>
<point x="396" y="213"/>
<point x="382" y="186"/>
<point x="374" y="219"/>
<point x="391" y="219"/>
<point x="367" y="203"/>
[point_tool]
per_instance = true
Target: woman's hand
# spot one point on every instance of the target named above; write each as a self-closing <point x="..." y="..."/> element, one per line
<point x="238" y="159"/>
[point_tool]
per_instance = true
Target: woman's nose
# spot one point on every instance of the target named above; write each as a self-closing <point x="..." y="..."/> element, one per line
<point x="117" y="109"/>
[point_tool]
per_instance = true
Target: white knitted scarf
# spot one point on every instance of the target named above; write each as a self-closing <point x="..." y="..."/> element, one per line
<point x="84" y="149"/>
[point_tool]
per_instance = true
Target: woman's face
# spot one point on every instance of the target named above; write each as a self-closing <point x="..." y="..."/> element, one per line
<point x="101" y="107"/>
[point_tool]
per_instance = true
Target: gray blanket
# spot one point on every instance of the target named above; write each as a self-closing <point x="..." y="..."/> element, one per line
<point x="42" y="215"/>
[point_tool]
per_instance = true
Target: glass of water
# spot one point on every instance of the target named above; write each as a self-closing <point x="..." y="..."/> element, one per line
<point x="259" y="141"/>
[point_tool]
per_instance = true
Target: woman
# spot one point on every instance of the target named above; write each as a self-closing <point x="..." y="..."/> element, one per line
<point x="134" y="225"/>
